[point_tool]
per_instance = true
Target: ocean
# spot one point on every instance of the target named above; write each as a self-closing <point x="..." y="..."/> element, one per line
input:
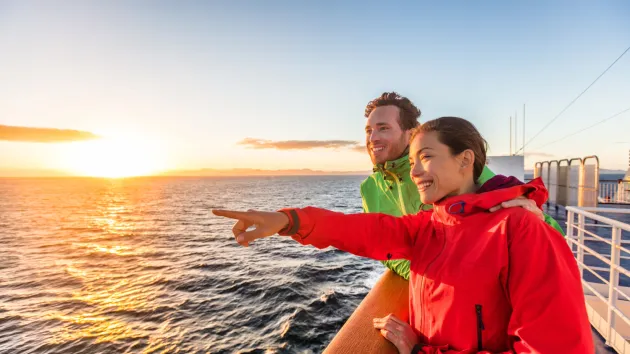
<point x="141" y="265"/>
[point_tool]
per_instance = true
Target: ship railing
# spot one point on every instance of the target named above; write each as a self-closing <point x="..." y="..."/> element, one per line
<point x="600" y="245"/>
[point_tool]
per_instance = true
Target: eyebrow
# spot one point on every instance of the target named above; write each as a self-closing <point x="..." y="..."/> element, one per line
<point x="421" y="150"/>
<point x="378" y="125"/>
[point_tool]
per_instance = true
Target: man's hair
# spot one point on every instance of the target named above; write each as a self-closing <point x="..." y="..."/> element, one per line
<point x="459" y="135"/>
<point x="409" y="113"/>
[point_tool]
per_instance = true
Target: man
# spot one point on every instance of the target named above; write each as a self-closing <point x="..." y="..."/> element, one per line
<point x="390" y="189"/>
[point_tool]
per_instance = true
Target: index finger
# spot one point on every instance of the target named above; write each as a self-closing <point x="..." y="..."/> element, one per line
<point x="518" y="203"/>
<point x="232" y="214"/>
<point x="398" y="320"/>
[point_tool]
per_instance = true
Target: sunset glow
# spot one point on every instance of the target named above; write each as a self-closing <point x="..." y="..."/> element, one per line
<point x="113" y="158"/>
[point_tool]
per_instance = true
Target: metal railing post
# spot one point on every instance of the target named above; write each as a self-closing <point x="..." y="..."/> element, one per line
<point x="570" y="221"/>
<point x="581" y="184"/>
<point x="613" y="282"/>
<point x="580" y="241"/>
<point x="577" y="188"/>
<point x="537" y="169"/>
<point x="589" y="193"/>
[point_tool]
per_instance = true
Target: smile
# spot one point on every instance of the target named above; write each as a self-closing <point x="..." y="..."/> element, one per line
<point x="424" y="185"/>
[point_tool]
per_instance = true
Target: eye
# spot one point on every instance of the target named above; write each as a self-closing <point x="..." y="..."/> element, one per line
<point x="383" y="128"/>
<point x="425" y="157"/>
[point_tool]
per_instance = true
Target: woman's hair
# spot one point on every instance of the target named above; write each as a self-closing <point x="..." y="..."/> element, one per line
<point x="458" y="134"/>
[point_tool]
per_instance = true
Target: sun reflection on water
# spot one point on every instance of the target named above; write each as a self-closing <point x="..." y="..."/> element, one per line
<point x="100" y="328"/>
<point x="114" y="291"/>
<point x="136" y="265"/>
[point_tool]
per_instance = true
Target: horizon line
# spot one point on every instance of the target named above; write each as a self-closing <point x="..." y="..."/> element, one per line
<point x="210" y="172"/>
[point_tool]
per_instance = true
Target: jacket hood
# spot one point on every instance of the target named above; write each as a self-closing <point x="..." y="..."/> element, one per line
<point x="483" y="200"/>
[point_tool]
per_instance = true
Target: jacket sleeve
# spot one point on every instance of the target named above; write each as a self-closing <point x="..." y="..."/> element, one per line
<point x="544" y="286"/>
<point x="553" y="223"/>
<point x="545" y="290"/>
<point x="399" y="266"/>
<point x="372" y="235"/>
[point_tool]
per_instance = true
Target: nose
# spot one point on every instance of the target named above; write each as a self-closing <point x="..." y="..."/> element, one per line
<point x="417" y="170"/>
<point x="372" y="137"/>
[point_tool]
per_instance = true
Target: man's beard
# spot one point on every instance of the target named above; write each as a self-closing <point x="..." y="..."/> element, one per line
<point x="394" y="153"/>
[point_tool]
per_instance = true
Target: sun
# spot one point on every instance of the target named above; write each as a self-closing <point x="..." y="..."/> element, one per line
<point x="114" y="158"/>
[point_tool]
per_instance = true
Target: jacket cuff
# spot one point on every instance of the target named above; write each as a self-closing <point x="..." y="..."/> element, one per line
<point x="294" y="223"/>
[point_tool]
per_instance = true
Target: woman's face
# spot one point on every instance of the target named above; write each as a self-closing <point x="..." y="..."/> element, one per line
<point x="436" y="172"/>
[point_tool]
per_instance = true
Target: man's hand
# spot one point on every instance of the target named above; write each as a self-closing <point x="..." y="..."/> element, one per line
<point x="398" y="332"/>
<point x="523" y="202"/>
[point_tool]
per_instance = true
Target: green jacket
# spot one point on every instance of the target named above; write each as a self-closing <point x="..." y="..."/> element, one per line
<point x="390" y="190"/>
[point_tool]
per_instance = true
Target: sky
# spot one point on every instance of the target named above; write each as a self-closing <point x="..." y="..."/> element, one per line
<point x="283" y="84"/>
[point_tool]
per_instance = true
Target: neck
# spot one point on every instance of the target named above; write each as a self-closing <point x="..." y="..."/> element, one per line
<point x="467" y="188"/>
<point x="405" y="152"/>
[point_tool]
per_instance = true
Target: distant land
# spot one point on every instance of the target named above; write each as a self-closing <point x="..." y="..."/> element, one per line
<point x="8" y="172"/>
<point x="24" y="172"/>
<point x="259" y="172"/>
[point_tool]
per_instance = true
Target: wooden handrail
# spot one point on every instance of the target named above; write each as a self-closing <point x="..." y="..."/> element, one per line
<point x="389" y="295"/>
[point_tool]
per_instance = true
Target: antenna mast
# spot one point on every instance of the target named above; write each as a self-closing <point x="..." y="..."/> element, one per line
<point x="510" y="135"/>
<point x="523" y="130"/>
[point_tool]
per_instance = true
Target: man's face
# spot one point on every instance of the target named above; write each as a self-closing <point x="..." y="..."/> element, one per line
<point x="384" y="138"/>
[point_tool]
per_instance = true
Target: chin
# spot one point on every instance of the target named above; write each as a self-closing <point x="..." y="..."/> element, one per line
<point x="427" y="198"/>
<point x="377" y="161"/>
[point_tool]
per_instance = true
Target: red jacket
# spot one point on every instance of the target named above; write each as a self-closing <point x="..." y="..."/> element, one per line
<point x="480" y="282"/>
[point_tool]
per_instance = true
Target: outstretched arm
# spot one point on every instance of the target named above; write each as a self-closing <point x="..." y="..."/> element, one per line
<point x="376" y="236"/>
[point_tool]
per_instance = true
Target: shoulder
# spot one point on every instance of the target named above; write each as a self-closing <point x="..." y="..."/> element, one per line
<point x="523" y="224"/>
<point x="486" y="174"/>
<point x="368" y="182"/>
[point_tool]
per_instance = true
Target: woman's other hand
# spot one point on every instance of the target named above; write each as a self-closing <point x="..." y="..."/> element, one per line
<point x="265" y="223"/>
<point x="398" y="332"/>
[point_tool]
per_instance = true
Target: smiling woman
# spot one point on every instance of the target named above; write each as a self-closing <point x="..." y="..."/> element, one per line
<point x="113" y="158"/>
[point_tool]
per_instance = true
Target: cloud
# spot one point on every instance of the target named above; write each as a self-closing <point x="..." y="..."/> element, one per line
<point x="43" y="135"/>
<point x="538" y="154"/>
<point x="359" y="148"/>
<point x="300" y="144"/>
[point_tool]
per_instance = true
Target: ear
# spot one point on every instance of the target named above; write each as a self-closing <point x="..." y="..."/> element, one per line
<point x="407" y="136"/>
<point x="467" y="159"/>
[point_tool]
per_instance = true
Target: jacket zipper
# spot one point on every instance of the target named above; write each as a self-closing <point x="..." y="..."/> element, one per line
<point x="480" y="327"/>
<point x="422" y="283"/>
<point x="400" y="196"/>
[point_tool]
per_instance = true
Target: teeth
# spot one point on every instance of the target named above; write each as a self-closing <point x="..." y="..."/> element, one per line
<point x="424" y="185"/>
<point x="377" y="149"/>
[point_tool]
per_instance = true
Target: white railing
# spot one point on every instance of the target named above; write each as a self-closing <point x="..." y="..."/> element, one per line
<point x="614" y="192"/>
<point x="570" y="181"/>
<point x="607" y="301"/>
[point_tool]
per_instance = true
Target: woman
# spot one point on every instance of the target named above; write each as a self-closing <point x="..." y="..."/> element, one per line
<point x="480" y="282"/>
